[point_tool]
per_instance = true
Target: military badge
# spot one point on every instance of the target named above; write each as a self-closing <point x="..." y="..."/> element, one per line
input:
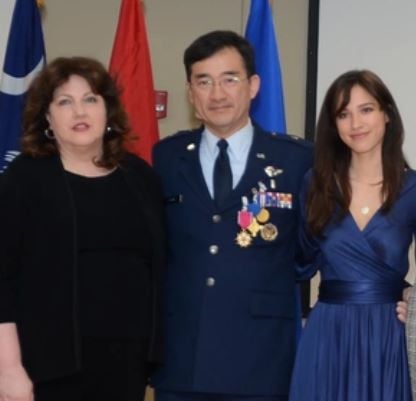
<point x="272" y="172"/>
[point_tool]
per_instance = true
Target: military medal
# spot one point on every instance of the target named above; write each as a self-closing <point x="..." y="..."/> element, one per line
<point x="269" y="232"/>
<point x="254" y="208"/>
<point x="263" y="216"/>
<point x="254" y="217"/>
<point x="243" y="239"/>
<point x="244" y="218"/>
<point x="254" y="227"/>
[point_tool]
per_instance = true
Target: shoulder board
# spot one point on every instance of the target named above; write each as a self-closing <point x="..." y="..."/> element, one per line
<point x="180" y="135"/>
<point x="292" y="138"/>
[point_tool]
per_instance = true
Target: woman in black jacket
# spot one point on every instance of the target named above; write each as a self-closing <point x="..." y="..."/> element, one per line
<point x="81" y="247"/>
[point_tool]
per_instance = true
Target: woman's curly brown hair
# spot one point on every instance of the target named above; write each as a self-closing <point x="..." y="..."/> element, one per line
<point x="40" y="96"/>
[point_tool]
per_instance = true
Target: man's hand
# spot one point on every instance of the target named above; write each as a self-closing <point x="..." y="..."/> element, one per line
<point x="401" y="306"/>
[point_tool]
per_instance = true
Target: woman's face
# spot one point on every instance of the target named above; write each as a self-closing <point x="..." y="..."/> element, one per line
<point x="77" y="117"/>
<point x="361" y="124"/>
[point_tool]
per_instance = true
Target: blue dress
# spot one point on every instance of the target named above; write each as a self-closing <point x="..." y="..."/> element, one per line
<point x="353" y="347"/>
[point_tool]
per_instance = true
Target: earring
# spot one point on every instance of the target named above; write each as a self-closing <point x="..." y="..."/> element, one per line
<point x="108" y="129"/>
<point x="49" y="133"/>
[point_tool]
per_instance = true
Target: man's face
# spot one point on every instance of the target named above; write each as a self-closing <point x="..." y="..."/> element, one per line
<point x="221" y="92"/>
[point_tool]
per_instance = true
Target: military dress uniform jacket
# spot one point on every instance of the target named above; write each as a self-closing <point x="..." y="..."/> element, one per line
<point x="229" y="310"/>
<point x="38" y="260"/>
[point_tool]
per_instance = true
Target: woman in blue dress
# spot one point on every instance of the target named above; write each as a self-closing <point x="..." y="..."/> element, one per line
<point x="358" y="220"/>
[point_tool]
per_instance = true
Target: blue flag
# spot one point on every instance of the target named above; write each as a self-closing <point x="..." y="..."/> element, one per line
<point x="24" y="58"/>
<point x="267" y="109"/>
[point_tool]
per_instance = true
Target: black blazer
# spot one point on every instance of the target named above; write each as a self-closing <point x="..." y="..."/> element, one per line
<point x="38" y="260"/>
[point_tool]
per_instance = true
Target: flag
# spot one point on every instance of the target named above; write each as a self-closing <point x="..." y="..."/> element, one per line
<point x="130" y="65"/>
<point x="267" y="109"/>
<point x="24" y="58"/>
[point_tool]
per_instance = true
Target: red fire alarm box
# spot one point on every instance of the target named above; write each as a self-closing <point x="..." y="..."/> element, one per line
<point x="161" y="103"/>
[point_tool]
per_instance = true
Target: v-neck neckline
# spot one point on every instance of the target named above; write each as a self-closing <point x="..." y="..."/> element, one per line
<point x="370" y="220"/>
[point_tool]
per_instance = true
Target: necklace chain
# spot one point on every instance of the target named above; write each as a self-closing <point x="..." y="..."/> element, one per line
<point x="367" y="183"/>
<point x="365" y="210"/>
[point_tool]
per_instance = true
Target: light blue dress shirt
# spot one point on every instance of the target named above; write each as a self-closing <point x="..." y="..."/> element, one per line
<point x="239" y="145"/>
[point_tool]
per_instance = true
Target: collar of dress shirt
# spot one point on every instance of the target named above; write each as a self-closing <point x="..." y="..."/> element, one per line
<point x="238" y="143"/>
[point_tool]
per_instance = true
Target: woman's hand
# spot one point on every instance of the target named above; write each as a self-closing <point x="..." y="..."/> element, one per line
<point x="15" y="385"/>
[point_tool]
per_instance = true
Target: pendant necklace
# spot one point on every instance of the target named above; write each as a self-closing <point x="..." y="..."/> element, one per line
<point x="365" y="210"/>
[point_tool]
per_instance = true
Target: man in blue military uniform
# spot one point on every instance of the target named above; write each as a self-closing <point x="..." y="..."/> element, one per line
<point x="231" y="194"/>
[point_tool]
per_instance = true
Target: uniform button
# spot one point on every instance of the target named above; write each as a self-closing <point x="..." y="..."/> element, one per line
<point x="210" y="282"/>
<point x="216" y="218"/>
<point x="213" y="249"/>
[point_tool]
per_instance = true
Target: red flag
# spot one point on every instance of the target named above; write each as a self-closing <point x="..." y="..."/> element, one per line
<point x="130" y="65"/>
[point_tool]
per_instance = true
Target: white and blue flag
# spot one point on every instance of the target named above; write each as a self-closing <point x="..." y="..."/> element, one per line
<point x="24" y="58"/>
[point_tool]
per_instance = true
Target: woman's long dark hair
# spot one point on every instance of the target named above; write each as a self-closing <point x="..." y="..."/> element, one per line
<point x="330" y="188"/>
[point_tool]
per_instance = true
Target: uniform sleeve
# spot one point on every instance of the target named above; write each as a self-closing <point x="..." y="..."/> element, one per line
<point x="9" y="245"/>
<point x="308" y="252"/>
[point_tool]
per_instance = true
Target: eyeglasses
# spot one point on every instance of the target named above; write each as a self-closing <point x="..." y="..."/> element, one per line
<point x="205" y="84"/>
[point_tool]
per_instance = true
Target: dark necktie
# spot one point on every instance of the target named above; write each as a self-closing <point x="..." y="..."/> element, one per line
<point x="223" y="178"/>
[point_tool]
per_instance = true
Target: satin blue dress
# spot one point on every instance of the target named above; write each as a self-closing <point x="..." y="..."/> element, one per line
<point x="353" y="347"/>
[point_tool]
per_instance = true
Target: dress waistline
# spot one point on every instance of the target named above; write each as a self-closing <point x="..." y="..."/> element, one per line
<point x="360" y="292"/>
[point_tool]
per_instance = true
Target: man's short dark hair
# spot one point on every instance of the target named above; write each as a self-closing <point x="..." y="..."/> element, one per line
<point x="212" y="42"/>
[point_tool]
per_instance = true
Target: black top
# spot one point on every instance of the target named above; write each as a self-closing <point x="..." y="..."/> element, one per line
<point x="39" y="282"/>
<point x="114" y="256"/>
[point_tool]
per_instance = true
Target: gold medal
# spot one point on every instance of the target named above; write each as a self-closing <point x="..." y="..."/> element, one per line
<point x="263" y="216"/>
<point x="254" y="228"/>
<point x="243" y="239"/>
<point x="269" y="232"/>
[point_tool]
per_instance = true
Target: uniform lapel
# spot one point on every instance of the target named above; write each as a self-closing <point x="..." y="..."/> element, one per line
<point x="191" y="170"/>
<point x="254" y="172"/>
